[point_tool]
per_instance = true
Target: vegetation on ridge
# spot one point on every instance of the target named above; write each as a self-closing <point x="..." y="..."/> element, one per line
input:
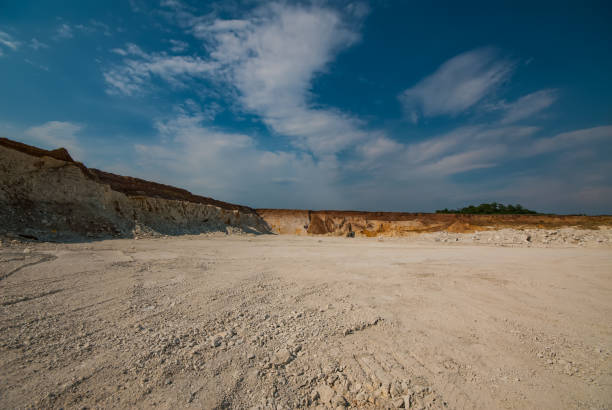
<point x="492" y="208"/>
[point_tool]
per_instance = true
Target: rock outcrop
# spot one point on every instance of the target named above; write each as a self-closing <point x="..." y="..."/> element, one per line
<point x="47" y="195"/>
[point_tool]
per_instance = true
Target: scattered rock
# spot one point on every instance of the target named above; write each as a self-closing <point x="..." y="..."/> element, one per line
<point x="282" y="357"/>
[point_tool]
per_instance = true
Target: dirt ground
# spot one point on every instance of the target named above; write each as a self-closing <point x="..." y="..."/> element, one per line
<point x="244" y="321"/>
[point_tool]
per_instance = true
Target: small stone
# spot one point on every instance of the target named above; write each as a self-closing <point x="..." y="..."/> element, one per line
<point x="216" y="341"/>
<point x="27" y="250"/>
<point x="326" y="393"/>
<point x="282" y="357"/>
<point x="338" y="401"/>
<point x="361" y="396"/>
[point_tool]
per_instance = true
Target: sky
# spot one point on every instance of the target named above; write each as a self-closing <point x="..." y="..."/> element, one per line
<point x="380" y="105"/>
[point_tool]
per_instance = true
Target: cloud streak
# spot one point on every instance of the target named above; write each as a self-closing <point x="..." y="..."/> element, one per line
<point x="528" y="105"/>
<point x="139" y="68"/>
<point x="8" y="41"/>
<point x="458" y="84"/>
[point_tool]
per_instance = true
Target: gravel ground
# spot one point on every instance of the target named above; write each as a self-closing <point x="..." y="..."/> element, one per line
<point x="243" y="321"/>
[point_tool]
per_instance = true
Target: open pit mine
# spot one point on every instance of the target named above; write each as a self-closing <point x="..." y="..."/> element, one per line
<point x="116" y="292"/>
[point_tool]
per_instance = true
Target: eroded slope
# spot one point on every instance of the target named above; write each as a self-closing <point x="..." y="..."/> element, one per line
<point x="47" y="195"/>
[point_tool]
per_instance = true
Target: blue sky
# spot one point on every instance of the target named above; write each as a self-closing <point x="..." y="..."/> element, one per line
<point x="381" y="105"/>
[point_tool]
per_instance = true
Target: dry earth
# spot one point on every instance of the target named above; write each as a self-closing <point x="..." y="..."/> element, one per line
<point x="243" y="321"/>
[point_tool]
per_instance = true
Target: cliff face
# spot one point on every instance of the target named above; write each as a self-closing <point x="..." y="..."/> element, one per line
<point x="371" y="224"/>
<point x="47" y="195"/>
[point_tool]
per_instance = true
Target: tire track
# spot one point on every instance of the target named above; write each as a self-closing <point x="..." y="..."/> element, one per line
<point x="31" y="297"/>
<point x="44" y="258"/>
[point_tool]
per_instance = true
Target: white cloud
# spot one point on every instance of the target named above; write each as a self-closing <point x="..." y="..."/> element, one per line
<point x="270" y="59"/>
<point x="178" y="46"/>
<point x="458" y="84"/>
<point x="64" y="31"/>
<point x="139" y="68"/>
<point x="465" y="160"/>
<point x="570" y="140"/>
<point x="56" y="134"/>
<point x="36" y="45"/>
<point x="378" y="148"/>
<point x="8" y="41"/>
<point x="230" y="166"/>
<point x="528" y="105"/>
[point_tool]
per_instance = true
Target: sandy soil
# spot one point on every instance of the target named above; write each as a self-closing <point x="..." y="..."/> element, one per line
<point x="281" y="321"/>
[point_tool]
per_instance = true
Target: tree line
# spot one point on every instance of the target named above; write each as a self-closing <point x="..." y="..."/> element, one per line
<point x="492" y="208"/>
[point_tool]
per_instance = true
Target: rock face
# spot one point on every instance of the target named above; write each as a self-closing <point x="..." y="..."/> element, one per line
<point x="47" y="195"/>
<point x="372" y="224"/>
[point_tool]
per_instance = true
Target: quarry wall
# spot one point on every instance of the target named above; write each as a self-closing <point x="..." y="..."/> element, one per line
<point x="48" y="196"/>
<point x="372" y="224"/>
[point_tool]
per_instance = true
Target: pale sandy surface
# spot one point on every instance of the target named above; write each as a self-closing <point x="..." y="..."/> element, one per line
<point x="282" y="321"/>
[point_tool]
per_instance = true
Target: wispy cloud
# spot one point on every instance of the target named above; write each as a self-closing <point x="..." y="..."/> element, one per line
<point x="139" y="68"/>
<point x="8" y="41"/>
<point x="458" y="84"/>
<point x="528" y="105"/>
<point x="178" y="46"/>
<point x="32" y="63"/>
<point x="94" y="26"/>
<point x="230" y="166"/>
<point x="36" y="45"/>
<point x="570" y="140"/>
<point x="64" y="31"/>
<point x="56" y="134"/>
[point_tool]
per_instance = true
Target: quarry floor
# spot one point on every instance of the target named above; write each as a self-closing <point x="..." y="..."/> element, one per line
<point x="244" y="321"/>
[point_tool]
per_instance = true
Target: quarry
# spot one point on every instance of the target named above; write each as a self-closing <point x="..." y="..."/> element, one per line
<point x="116" y="292"/>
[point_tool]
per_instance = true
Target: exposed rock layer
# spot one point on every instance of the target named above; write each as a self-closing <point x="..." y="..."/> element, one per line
<point x="370" y="224"/>
<point x="47" y="195"/>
